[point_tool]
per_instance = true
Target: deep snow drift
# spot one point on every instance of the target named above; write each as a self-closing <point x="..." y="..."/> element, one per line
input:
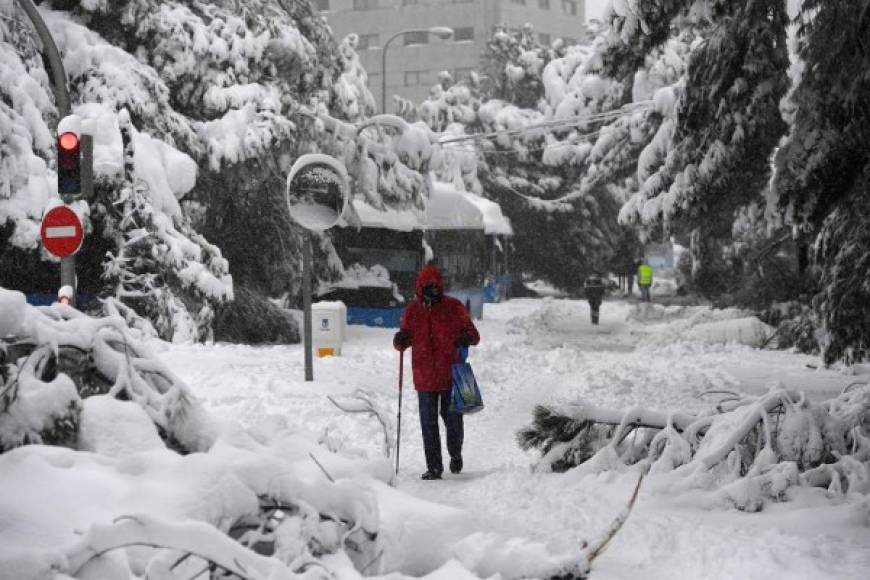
<point x="497" y="517"/>
<point x="538" y="351"/>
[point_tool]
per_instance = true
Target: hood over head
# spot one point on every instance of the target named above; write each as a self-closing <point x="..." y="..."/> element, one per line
<point x="429" y="275"/>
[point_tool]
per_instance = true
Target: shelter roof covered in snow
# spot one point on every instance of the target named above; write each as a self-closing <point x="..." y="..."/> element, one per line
<point x="447" y="208"/>
<point x="405" y="220"/>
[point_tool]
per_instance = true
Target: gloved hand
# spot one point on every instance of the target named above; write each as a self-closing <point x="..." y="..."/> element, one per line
<point x="464" y="340"/>
<point x="401" y="340"/>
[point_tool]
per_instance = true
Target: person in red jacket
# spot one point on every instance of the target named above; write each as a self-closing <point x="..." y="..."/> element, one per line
<point x="435" y="326"/>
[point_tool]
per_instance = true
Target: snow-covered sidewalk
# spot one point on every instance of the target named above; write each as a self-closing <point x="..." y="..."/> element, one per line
<point x="505" y="516"/>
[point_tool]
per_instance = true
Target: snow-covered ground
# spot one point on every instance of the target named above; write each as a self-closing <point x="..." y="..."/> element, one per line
<point x="503" y="517"/>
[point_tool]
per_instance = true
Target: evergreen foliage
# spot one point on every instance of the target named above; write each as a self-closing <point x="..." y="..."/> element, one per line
<point x="221" y="97"/>
<point x="511" y="64"/>
<point x="744" y="452"/>
<point x="728" y="122"/>
<point x="566" y="181"/>
<point x="252" y="319"/>
<point x="823" y="169"/>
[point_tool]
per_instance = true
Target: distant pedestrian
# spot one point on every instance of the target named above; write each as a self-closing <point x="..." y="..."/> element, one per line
<point x="594" y="290"/>
<point x="644" y="280"/>
<point x="435" y="326"/>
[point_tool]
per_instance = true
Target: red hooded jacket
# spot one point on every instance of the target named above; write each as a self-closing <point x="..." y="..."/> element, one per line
<point x="433" y="332"/>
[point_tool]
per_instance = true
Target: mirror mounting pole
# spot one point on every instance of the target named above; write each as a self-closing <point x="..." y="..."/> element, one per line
<point x="306" y="305"/>
<point x="302" y="198"/>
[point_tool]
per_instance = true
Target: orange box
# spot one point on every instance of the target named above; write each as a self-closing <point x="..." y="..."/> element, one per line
<point x="322" y="352"/>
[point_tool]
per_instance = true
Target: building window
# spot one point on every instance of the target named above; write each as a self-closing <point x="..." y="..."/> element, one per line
<point x="323" y="5"/>
<point x="570" y="7"/>
<point x="414" y="78"/>
<point x="416" y="37"/>
<point x="523" y="2"/>
<point x="463" y="33"/>
<point x="544" y="4"/>
<point x="365" y="4"/>
<point x="544" y="38"/>
<point x="369" y="41"/>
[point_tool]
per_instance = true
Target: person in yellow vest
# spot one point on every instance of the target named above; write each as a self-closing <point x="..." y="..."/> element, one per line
<point x="644" y="280"/>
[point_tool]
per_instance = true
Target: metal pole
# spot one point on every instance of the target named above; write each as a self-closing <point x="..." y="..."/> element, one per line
<point x="384" y="67"/>
<point x="399" y="418"/>
<point x="306" y="304"/>
<point x="62" y="100"/>
<point x="49" y="48"/>
<point x="384" y="73"/>
<point x="440" y="31"/>
<point x="68" y="264"/>
<point x="68" y="276"/>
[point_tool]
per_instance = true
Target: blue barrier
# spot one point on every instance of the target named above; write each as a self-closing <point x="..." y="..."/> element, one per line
<point x="378" y="317"/>
<point x="490" y="294"/>
<point x="472" y="298"/>
<point x="83" y="300"/>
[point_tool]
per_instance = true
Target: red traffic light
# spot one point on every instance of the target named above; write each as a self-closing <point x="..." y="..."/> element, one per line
<point x="68" y="141"/>
<point x="69" y="164"/>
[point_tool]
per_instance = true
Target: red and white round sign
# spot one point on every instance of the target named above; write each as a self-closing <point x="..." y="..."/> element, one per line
<point x="61" y="231"/>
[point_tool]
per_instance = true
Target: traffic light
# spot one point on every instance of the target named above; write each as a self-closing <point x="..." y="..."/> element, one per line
<point x="69" y="157"/>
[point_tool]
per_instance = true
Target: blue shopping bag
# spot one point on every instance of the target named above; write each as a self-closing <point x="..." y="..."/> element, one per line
<point x="464" y="394"/>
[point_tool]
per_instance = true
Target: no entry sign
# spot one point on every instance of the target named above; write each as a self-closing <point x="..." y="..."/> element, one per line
<point x="61" y="231"/>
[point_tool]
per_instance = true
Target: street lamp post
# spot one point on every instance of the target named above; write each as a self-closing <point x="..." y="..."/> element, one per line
<point x="442" y="32"/>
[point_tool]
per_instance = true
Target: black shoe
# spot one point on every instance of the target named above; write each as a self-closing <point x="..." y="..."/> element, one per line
<point x="431" y="475"/>
<point x="455" y="464"/>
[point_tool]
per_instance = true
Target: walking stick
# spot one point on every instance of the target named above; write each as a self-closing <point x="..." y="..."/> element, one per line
<point x="399" y="419"/>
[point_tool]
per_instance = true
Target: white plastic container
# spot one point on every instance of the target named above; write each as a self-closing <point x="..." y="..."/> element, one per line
<point x="328" y="325"/>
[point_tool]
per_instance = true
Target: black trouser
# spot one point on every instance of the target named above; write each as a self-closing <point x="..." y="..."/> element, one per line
<point x="594" y="305"/>
<point x="429" y="403"/>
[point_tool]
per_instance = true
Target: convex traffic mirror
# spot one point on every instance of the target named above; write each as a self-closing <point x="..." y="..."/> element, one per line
<point x="317" y="191"/>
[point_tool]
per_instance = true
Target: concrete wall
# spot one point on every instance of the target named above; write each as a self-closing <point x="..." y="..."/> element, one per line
<point x="413" y="69"/>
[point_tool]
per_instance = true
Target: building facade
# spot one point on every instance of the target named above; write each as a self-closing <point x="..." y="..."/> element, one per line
<point x="414" y="59"/>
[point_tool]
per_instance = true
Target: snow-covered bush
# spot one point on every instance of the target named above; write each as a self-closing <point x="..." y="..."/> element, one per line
<point x="742" y="452"/>
<point x="53" y="357"/>
<point x="252" y="319"/>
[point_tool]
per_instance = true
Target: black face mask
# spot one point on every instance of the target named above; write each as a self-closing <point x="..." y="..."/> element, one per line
<point x="431" y="293"/>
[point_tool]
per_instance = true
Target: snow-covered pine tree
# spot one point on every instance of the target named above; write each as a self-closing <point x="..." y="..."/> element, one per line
<point x="508" y="168"/>
<point x="823" y="169"/>
<point x="563" y="164"/>
<point x="512" y="63"/>
<point x="162" y="268"/>
<point x="223" y="96"/>
<point x="727" y="120"/>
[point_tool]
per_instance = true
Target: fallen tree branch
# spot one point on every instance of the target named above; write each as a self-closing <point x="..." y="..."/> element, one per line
<point x="196" y="538"/>
<point x="597" y="549"/>
<point x="363" y="403"/>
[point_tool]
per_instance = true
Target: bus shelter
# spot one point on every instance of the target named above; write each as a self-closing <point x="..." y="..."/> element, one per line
<point x="464" y="234"/>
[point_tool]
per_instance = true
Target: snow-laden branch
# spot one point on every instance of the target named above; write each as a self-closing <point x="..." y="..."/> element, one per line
<point x="746" y="451"/>
<point x="57" y="356"/>
<point x="199" y="539"/>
